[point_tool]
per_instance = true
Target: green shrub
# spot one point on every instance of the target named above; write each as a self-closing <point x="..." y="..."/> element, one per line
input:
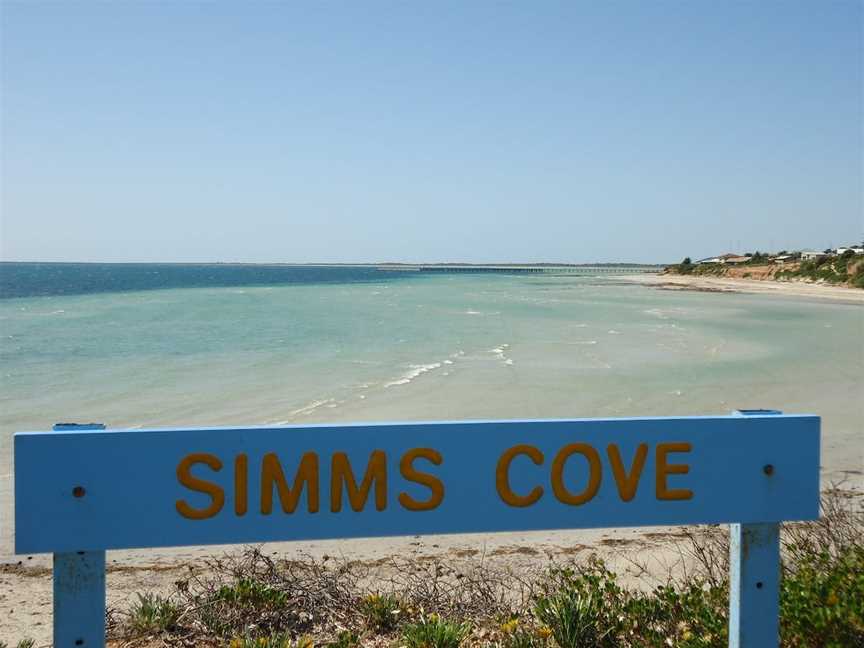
<point x="589" y="609"/>
<point x="230" y="608"/>
<point x="381" y="612"/>
<point x="346" y="639"/>
<point x="248" y="592"/>
<point x="582" y="609"/>
<point x="822" y="601"/>
<point x="272" y="641"/>
<point x="521" y="638"/>
<point x="691" y="616"/>
<point x="431" y="631"/>
<point x="153" y="613"/>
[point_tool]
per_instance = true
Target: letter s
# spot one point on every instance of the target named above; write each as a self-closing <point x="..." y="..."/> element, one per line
<point x="184" y="476"/>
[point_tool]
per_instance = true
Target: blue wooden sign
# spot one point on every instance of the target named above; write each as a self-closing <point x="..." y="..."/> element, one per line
<point x="80" y="491"/>
<point x="152" y="488"/>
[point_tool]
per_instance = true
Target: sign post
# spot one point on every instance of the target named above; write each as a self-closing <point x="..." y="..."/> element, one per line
<point x="82" y="490"/>
<point x="79" y="584"/>
<point x="754" y="576"/>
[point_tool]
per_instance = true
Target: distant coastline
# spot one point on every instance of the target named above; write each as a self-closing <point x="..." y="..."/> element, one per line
<point x="363" y="264"/>
<point x="40" y="279"/>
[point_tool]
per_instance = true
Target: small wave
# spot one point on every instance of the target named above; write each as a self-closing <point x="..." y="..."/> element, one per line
<point x="311" y="407"/>
<point x="614" y="332"/>
<point x="583" y="342"/>
<point x="666" y="313"/>
<point x="473" y="312"/>
<point x="416" y="371"/>
<point x="499" y="352"/>
<point x="445" y="362"/>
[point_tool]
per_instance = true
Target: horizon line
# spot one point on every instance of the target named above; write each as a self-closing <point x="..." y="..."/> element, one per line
<point x="349" y="263"/>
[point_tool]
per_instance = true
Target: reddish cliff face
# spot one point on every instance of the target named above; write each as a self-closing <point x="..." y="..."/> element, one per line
<point x="758" y="272"/>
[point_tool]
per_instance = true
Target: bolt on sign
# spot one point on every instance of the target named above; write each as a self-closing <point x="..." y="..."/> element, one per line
<point x="80" y="491"/>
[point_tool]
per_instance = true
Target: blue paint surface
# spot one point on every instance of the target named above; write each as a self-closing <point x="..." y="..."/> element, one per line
<point x="79" y="599"/>
<point x="754" y="585"/>
<point x="131" y="484"/>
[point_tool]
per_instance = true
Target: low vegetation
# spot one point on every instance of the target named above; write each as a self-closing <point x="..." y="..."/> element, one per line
<point x="153" y="613"/>
<point x="846" y="269"/>
<point x="254" y="601"/>
<point x="431" y="631"/>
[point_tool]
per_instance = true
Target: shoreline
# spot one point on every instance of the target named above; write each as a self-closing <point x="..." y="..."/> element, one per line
<point x="750" y="286"/>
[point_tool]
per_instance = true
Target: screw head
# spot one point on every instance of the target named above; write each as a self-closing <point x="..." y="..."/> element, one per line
<point x="78" y="491"/>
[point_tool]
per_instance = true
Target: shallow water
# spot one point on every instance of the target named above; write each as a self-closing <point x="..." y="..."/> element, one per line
<point x="426" y="347"/>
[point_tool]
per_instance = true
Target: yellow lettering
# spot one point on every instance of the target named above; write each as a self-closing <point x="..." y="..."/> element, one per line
<point x="664" y="469"/>
<point x="627" y="484"/>
<point x="431" y="482"/>
<point x="271" y="474"/>
<point x="502" y="476"/>
<point x="184" y="476"/>
<point x="561" y="492"/>
<point x="341" y="473"/>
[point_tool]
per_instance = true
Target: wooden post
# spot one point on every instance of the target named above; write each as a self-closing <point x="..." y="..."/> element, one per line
<point x="79" y="584"/>
<point x="754" y="578"/>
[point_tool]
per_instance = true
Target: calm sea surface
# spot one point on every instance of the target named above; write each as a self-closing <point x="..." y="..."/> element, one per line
<point x="159" y="345"/>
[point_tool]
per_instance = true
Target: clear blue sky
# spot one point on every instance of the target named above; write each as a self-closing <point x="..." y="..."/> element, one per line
<point x="600" y="131"/>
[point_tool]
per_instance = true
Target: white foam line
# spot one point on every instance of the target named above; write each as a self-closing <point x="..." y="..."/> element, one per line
<point x="416" y="371"/>
<point x="311" y="407"/>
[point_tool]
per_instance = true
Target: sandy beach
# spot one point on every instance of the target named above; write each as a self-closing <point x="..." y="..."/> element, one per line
<point x="756" y="286"/>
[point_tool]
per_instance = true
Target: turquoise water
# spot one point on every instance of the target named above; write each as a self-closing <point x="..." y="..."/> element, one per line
<point x="426" y="347"/>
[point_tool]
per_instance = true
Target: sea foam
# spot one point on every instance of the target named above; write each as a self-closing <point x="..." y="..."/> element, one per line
<point x="416" y="371"/>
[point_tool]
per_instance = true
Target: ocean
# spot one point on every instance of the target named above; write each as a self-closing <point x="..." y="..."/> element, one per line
<point x="194" y="345"/>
